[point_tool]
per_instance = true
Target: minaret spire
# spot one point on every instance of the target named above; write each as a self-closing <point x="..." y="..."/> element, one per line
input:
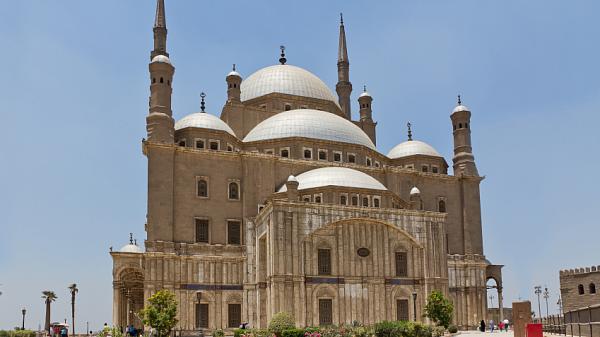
<point x="160" y="30"/>
<point x="408" y="125"/>
<point x="343" y="87"/>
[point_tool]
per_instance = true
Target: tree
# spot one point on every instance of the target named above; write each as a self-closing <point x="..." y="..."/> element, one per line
<point x="439" y="309"/>
<point x="49" y="297"/>
<point x="160" y="312"/>
<point x="74" y="290"/>
<point x="281" y="321"/>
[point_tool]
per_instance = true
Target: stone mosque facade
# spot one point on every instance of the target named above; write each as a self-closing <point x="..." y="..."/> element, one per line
<point x="284" y="203"/>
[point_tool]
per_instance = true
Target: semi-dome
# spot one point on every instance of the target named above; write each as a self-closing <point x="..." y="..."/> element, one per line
<point x="309" y="123"/>
<point x="131" y="248"/>
<point x="285" y="79"/>
<point x="411" y="148"/>
<point x="415" y="191"/>
<point x="336" y="176"/>
<point x="203" y="120"/>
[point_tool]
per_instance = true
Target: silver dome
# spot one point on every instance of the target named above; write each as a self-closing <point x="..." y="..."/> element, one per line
<point x="161" y="59"/>
<point x="309" y="123"/>
<point x="411" y="148"/>
<point x="415" y="191"/>
<point x="336" y="176"/>
<point x="203" y="120"/>
<point x="461" y="108"/>
<point x="131" y="248"/>
<point x="285" y="79"/>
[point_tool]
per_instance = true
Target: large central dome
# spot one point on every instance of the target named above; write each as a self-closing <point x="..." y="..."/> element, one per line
<point x="309" y="123"/>
<point x="285" y="79"/>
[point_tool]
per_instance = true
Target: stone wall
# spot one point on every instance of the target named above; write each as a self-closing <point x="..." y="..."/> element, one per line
<point x="570" y="283"/>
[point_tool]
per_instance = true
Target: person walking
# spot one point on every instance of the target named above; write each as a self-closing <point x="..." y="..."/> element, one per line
<point x="482" y="326"/>
<point x="501" y="326"/>
<point x="63" y="332"/>
<point x="491" y="326"/>
<point x="506" y="323"/>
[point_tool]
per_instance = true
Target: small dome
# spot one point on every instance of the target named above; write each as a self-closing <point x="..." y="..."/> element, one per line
<point x="131" y="248"/>
<point x="291" y="178"/>
<point x="415" y="191"/>
<point x="309" y="123"/>
<point x="336" y="176"/>
<point x="461" y="108"/>
<point x="364" y="94"/>
<point x="161" y="59"/>
<point x="203" y="120"/>
<point x="411" y="148"/>
<point x="285" y="79"/>
<point x="234" y="73"/>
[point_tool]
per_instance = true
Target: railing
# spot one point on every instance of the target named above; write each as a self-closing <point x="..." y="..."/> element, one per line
<point x="583" y="322"/>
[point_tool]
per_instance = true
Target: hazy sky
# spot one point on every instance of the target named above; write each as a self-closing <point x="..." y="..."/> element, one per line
<point x="74" y="95"/>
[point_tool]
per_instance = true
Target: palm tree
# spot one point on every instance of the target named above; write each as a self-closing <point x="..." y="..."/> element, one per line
<point x="74" y="290"/>
<point x="49" y="297"/>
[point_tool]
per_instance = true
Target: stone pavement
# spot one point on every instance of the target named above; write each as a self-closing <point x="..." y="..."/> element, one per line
<point x="477" y="333"/>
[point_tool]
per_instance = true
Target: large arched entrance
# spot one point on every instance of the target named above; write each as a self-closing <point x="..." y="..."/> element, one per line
<point x="130" y="288"/>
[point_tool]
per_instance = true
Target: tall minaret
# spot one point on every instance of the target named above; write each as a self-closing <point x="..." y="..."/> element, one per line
<point x="464" y="161"/>
<point x="160" y="147"/>
<point x="343" y="87"/>
<point x="160" y="31"/>
<point x="159" y="123"/>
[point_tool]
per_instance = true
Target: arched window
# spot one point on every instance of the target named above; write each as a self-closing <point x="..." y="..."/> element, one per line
<point x="592" y="288"/>
<point x="285" y="153"/>
<point x="343" y="200"/>
<point x="365" y="202"/>
<point x="234" y="191"/>
<point x="307" y="154"/>
<point x="235" y="85"/>
<point x="581" y="289"/>
<point x="202" y="190"/>
<point x="466" y="125"/>
<point x="401" y="264"/>
<point x="287" y="107"/>
<point x="153" y="79"/>
<point x="442" y="206"/>
<point x="375" y="202"/>
<point x="460" y="125"/>
<point x="161" y="80"/>
<point x="318" y="199"/>
<point x="354" y="200"/>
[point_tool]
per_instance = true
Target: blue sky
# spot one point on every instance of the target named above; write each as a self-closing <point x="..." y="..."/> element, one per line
<point x="75" y="89"/>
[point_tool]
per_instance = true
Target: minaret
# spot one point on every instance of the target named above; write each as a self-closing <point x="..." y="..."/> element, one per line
<point x="364" y="102"/>
<point x="343" y="87"/>
<point x="234" y="80"/>
<point x="159" y="123"/>
<point x="160" y="31"/>
<point x="160" y="147"/>
<point x="464" y="161"/>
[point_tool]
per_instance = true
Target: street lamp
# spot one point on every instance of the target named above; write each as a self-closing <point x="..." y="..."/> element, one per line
<point x="538" y="291"/>
<point x="415" y="306"/>
<point x="546" y="295"/>
<point x="74" y="290"/>
<point x="23" y="311"/>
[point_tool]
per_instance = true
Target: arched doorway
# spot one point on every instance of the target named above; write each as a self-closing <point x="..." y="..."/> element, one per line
<point x="131" y="294"/>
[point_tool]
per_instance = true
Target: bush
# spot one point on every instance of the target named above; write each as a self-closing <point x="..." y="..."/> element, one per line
<point x="452" y="329"/>
<point x="292" y="333"/>
<point x="438" y="331"/>
<point x="252" y="333"/>
<point x="281" y="321"/>
<point x="439" y="309"/>
<point x="17" y="333"/>
<point x="401" y="329"/>
<point x="218" y="333"/>
<point x="239" y="332"/>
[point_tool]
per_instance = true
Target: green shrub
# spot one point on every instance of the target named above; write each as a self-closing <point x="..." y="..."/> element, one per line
<point x="239" y="332"/>
<point x="218" y="333"/>
<point x="438" y="331"/>
<point x="281" y="321"/>
<point x="401" y="329"/>
<point x="292" y="333"/>
<point x="439" y="309"/>
<point x="17" y="333"/>
<point x="452" y="329"/>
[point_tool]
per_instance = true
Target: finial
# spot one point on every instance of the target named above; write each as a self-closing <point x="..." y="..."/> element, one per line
<point x="365" y="88"/>
<point x="282" y="59"/>
<point x="234" y="67"/>
<point x="408" y="125"/>
<point x="341" y="19"/>
<point x="135" y="242"/>
<point x="459" y="101"/>
<point x="130" y="238"/>
<point x="202" y="95"/>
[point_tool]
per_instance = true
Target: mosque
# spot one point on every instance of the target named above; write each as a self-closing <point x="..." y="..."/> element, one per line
<point x="284" y="203"/>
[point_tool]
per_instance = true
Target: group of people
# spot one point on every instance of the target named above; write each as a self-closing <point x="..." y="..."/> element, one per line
<point x="502" y="326"/>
